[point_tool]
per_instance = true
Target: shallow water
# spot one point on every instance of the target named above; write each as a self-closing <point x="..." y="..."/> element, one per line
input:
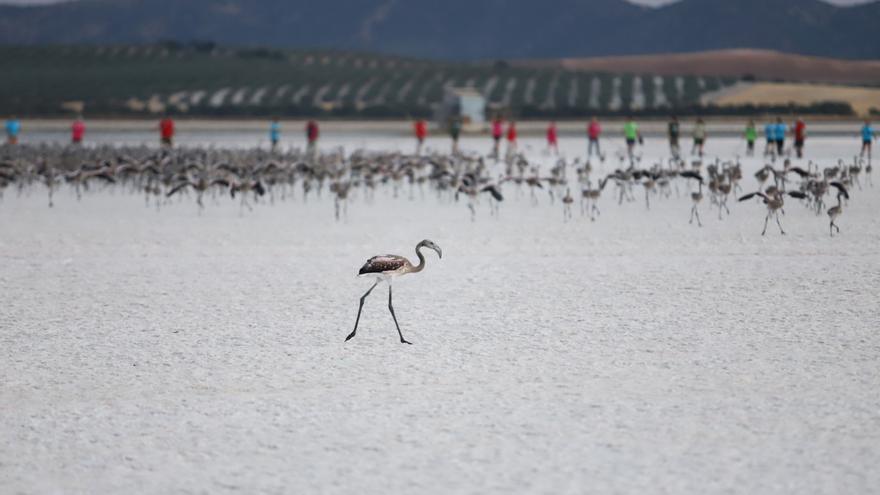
<point x="145" y="351"/>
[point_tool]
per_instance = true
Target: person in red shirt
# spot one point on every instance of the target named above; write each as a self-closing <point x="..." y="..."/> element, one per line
<point x="511" y="137"/>
<point x="552" y="138"/>
<point x="800" y="136"/>
<point x="594" y="130"/>
<point x="166" y="131"/>
<point x="421" y="130"/>
<point x="312" y="136"/>
<point x="77" y="130"/>
<point x="497" y="133"/>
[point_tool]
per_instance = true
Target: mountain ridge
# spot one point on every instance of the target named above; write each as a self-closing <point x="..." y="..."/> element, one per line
<point x="461" y="29"/>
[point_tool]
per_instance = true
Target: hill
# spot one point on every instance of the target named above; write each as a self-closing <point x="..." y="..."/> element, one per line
<point x="864" y="101"/>
<point x="758" y="64"/>
<point x="206" y="80"/>
<point x="461" y="29"/>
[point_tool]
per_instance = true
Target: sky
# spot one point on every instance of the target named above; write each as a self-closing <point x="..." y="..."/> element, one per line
<point x="838" y="2"/>
<point x="645" y="2"/>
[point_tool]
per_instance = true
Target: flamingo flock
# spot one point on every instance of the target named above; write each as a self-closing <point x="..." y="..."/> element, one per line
<point x="263" y="177"/>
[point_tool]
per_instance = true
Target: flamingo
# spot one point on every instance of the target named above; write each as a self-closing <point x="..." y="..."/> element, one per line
<point x="385" y="268"/>
<point x="774" y="201"/>
<point x="567" y="200"/>
<point x="696" y="197"/>
<point x="201" y="186"/>
<point x="472" y="191"/>
<point x="836" y="211"/>
<point x="589" y="197"/>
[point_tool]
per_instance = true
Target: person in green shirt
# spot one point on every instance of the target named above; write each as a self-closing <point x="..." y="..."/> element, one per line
<point x="455" y="132"/>
<point x="699" y="137"/>
<point x="674" y="133"/>
<point x="631" y="133"/>
<point x="751" y="137"/>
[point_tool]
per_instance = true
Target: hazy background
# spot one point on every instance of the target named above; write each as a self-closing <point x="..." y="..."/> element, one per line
<point x="399" y="59"/>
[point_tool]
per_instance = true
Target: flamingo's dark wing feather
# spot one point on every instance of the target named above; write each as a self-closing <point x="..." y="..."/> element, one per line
<point x="840" y="187"/>
<point x="105" y="177"/>
<point x="177" y="188"/>
<point x="801" y="172"/>
<point x="691" y="175"/>
<point x="494" y="192"/>
<point x="752" y="195"/>
<point x="380" y="264"/>
<point x="797" y="194"/>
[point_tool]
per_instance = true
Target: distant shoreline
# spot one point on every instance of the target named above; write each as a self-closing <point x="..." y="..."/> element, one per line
<point x="719" y="126"/>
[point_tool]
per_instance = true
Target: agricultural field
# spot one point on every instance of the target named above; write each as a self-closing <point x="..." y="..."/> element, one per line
<point x="863" y="100"/>
<point x="208" y="81"/>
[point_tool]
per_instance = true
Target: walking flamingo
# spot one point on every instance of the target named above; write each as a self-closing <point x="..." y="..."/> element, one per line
<point x="589" y="197"/>
<point x="385" y="268"/>
<point x="775" y="202"/>
<point x="696" y="197"/>
<point x="567" y="200"/>
<point x="835" y="211"/>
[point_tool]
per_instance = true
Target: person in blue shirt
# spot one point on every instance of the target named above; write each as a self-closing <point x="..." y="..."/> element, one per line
<point x="13" y="128"/>
<point x="779" y="131"/>
<point x="275" y="132"/>
<point x="770" y="135"/>
<point x="867" y="139"/>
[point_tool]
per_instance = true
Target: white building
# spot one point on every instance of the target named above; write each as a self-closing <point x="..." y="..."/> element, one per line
<point x="465" y="103"/>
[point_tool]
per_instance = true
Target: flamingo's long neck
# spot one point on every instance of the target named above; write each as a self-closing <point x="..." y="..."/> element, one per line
<point x="421" y="265"/>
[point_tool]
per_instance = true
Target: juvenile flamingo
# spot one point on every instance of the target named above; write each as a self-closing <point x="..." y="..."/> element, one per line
<point x="835" y="211"/>
<point x="385" y="268"/>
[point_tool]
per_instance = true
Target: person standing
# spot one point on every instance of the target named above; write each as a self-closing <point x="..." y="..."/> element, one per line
<point x="632" y="135"/>
<point x="867" y="139"/>
<point x="455" y="132"/>
<point x="552" y="138"/>
<point x="511" y="138"/>
<point x="779" y="132"/>
<point x="497" y="133"/>
<point x="312" y="133"/>
<point x="13" y="129"/>
<point x="275" y="133"/>
<point x="421" y="131"/>
<point x="770" y="135"/>
<point x="699" y="138"/>
<point x="674" y="131"/>
<point x="751" y="136"/>
<point x="166" y="131"/>
<point x="800" y="136"/>
<point x="594" y="130"/>
<point x="77" y="130"/>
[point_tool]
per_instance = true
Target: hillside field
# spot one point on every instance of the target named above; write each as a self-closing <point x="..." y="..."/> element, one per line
<point x="206" y="80"/>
